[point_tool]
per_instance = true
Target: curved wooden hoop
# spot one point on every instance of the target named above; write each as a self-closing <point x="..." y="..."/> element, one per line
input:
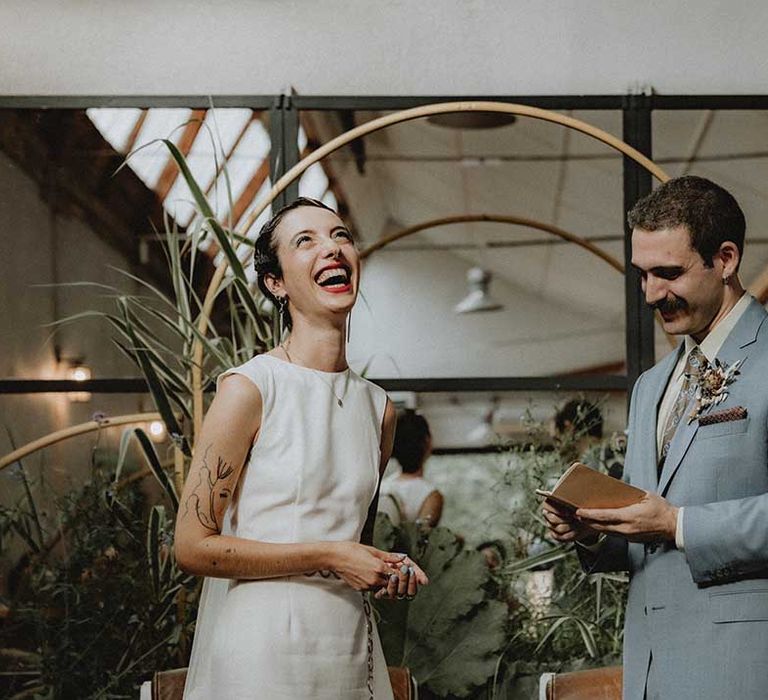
<point x="367" y="128"/>
<point x="66" y="433"/>
<point x="515" y="220"/>
<point x="615" y="263"/>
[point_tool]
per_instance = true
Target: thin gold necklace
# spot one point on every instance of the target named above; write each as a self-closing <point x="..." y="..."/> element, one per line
<point x="339" y="399"/>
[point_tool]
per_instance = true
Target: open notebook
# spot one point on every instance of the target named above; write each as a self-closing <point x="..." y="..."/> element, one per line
<point x="583" y="487"/>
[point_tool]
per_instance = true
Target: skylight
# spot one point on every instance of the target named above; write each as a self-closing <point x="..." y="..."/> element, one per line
<point x="227" y="154"/>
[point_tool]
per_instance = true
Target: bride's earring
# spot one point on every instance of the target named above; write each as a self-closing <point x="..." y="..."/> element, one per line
<point x="282" y="307"/>
<point x="349" y="325"/>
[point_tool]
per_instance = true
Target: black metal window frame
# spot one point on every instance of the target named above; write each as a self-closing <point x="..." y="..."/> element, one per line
<point x="637" y="114"/>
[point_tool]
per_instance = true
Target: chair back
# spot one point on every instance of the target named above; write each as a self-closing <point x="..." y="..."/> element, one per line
<point x="594" y="684"/>
<point x="169" y="685"/>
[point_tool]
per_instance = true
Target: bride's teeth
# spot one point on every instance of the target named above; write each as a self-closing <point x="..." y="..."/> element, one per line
<point x="334" y="272"/>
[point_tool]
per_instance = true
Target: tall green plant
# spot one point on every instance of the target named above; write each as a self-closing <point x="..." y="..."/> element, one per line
<point x="157" y="330"/>
<point x="91" y="606"/>
<point x="580" y="624"/>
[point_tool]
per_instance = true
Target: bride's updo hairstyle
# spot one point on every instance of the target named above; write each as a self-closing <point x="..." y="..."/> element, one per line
<point x="265" y="260"/>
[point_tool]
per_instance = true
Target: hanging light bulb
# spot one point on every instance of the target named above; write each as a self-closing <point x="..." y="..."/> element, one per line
<point x="79" y="372"/>
<point x="478" y="298"/>
<point x="157" y="431"/>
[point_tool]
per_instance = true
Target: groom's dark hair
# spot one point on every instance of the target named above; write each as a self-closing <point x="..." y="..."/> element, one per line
<point x="709" y="212"/>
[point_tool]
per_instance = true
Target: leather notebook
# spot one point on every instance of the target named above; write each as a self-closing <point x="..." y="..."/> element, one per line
<point x="583" y="487"/>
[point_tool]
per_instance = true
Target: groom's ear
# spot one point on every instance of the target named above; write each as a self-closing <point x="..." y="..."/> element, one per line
<point x="729" y="257"/>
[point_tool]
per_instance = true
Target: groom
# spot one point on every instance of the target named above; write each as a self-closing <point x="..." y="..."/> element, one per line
<point x="696" y="547"/>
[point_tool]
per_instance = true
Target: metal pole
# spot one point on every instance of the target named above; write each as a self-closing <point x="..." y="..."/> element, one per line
<point x="637" y="184"/>
<point x="284" y="154"/>
<point x="291" y="144"/>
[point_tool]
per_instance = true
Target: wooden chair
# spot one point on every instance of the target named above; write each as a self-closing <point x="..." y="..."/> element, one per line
<point x="169" y="685"/>
<point x="594" y="684"/>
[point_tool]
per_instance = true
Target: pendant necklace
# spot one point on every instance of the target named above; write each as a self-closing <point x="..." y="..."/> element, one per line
<point x="339" y="399"/>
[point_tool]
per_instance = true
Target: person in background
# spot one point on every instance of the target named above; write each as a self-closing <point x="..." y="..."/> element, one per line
<point x="414" y="498"/>
<point x="494" y="552"/>
<point x="579" y="436"/>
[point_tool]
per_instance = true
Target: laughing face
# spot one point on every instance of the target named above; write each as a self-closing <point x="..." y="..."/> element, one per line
<point x="675" y="280"/>
<point x="319" y="261"/>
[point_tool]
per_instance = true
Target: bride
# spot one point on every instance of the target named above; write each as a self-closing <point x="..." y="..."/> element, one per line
<point x="279" y="503"/>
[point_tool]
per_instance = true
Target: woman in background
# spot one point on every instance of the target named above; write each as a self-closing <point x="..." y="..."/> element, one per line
<point x="415" y="498"/>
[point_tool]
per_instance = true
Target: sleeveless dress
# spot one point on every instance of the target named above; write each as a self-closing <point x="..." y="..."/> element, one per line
<point x="408" y="493"/>
<point x="311" y="476"/>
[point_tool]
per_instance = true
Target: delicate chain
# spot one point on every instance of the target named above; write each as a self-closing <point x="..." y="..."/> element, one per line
<point x="339" y="399"/>
<point x="369" y="630"/>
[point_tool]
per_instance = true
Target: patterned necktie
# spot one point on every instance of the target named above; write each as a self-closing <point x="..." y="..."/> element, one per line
<point x="694" y="365"/>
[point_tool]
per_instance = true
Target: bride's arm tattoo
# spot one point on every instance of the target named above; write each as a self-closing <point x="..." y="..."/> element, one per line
<point x="202" y="500"/>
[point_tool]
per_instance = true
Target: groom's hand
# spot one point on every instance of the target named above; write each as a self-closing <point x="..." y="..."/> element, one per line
<point x="564" y="526"/>
<point x="650" y="520"/>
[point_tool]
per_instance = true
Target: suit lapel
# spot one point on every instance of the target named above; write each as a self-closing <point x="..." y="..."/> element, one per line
<point x="733" y="349"/>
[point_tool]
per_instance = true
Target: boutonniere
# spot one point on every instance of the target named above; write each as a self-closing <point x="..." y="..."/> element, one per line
<point x="712" y="389"/>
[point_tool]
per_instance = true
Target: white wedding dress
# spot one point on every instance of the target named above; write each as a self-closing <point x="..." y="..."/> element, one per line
<point x="310" y="477"/>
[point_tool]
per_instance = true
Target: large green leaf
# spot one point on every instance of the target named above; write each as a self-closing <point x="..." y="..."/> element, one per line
<point x="549" y="557"/>
<point x="154" y="528"/>
<point x="465" y="658"/>
<point x="158" y="392"/>
<point x="452" y="632"/>
<point x="157" y="469"/>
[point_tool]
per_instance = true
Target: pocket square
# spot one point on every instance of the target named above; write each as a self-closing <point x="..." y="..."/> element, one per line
<point x="724" y="416"/>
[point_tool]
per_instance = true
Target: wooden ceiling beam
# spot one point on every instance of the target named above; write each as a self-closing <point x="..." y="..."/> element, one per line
<point x="115" y="213"/>
<point x="171" y="169"/>
<point x="131" y="142"/>
<point x="251" y="190"/>
<point x="255" y="116"/>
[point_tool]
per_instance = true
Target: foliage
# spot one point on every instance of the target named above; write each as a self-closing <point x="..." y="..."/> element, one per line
<point x="575" y="620"/>
<point x="93" y="601"/>
<point x="449" y="634"/>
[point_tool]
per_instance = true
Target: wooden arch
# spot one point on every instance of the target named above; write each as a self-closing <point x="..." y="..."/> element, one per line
<point x="499" y="219"/>
<point x="376" y="125"/>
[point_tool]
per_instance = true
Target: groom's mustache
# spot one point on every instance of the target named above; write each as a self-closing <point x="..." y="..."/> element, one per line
<point x="669" y="306"/>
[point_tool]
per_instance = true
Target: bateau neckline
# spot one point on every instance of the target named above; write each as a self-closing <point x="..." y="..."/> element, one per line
<point x="306" y="369"/>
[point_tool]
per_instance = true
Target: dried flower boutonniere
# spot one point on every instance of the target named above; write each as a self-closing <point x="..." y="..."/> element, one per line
<point x="712" y="387"/>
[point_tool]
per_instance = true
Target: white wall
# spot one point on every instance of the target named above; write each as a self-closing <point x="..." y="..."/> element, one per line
<point x="371" y="47"/>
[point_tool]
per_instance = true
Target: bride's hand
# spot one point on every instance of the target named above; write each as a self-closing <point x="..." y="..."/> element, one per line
<point x="365" y="568"/>
<point x="405" y="582"/>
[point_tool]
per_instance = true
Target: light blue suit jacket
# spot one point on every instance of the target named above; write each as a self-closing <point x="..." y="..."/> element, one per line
<point x="701" y="614"/>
